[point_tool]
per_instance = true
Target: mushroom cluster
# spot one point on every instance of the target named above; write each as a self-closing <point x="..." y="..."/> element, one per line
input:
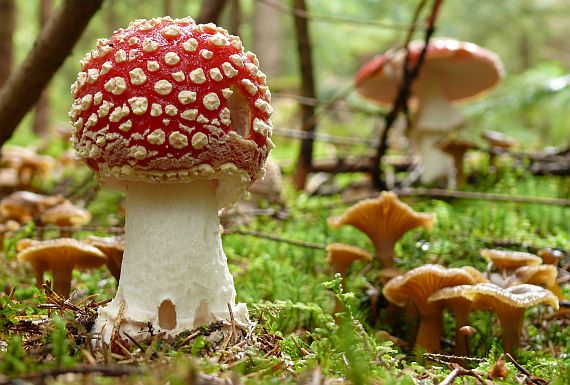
<point x="20" y="166"/>
<point x="177" y="115"/>
<point x="513" y="282"/>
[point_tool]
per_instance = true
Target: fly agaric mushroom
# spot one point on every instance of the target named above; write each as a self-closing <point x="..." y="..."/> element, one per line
<point x="509" y="304"/>
<point x="384" y="220"/>
<point x="452" y="71"/>
<point x="415" y="287"/>
<point x="59" y="256"/>
<point x="113" y="248"/>
<point x="177" y="116"/>
<point x="65" y="214"/>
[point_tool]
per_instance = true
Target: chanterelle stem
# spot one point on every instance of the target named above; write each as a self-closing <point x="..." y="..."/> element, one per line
<point x="174" y="269"/>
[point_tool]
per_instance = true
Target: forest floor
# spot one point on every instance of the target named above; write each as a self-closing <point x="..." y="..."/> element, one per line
<point x="306" y="328"/>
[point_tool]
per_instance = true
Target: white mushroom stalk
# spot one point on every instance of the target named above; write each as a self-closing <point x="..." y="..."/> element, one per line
<point x="174" y="275"/>
<point x="435" y="118"/>
<point x="435" y="112"/>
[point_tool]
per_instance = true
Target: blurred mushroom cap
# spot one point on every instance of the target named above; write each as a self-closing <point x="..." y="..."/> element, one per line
<point x="506" y="259"/>
<point x="66" y="214"/>
<point x="61" y="252"/>
<point x="465" y="70"/>
<point x="24" y="205"/>
<point x="340" y="256"/>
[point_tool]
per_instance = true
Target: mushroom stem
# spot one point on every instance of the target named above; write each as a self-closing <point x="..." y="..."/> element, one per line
<point x="435" y="118"/>
<point x="39" y="278"/>
<point x="461" y="344"/>
<point x="435" y="112"/>
<point x="511" y="328"/>
<point x="62" y="280"/>
<point x="385" y="252"/>
<point x="173" y="252"/>
<point x="430" y="330"/>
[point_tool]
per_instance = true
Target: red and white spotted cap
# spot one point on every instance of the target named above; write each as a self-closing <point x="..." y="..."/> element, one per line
<point x="170" y="100"/>
<point x="464" y="69"/>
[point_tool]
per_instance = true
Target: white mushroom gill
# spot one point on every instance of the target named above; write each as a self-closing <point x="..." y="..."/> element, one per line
<point x="174" y="274"/>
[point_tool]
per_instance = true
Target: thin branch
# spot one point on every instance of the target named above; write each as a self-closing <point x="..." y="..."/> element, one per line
<point x="280" y="7"/>
<point x="54" y="44"/>
<point x="108" y="371"/>
<point x="272" y="237"/>
<point x="401" y="101"/>
<point x="442" y="193"/>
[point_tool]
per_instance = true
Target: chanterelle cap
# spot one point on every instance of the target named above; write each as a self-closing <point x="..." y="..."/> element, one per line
<point x="168" y="100"/>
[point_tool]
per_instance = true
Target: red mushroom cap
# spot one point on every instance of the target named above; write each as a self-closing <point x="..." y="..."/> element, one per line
<point x="465" y="70"/>
<point x="168" y="100"/>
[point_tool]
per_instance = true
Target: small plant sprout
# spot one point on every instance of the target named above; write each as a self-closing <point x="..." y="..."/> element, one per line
<point x="509" y="305"/>
<point x="60" y="256"/>
<point x="452" y="71"/>
<point x="384" y="220"/>
<point x="177" y="116"/>
<point x="415" y="287"/>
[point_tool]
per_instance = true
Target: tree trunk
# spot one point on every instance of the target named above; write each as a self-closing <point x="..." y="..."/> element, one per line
<point x="269" y="38"/>
<point x="167" y="7"/>
<point x="210" y="11"/>
<point x="304" y="50"/>
<point x="24" y="87"/>
<point x="7" y="15"/>
<point x="42" y="112"/>
<point x="234" y="21"/>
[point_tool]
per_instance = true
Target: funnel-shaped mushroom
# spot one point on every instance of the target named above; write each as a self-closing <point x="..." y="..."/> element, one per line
<point x="460" y="308"/>
<point x="66" y="214"/>
<point x="496" y="139"/>
<point x="457" y="148"/>
<point x="341" y="256"/>
<point x="384" y="220"/>
<point x="509" y="304"/>
<point x="452" y="71"/>
<point x="176" y="115"/>
<point x="113" y="248"/>
<point x="551" y="256"/>
<point x="415" y="287"/>
<point x="542" y="275"/>
<point x="22" y="206"/>
<point x="509" y="260"/>
<point x="59" y="256"/>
